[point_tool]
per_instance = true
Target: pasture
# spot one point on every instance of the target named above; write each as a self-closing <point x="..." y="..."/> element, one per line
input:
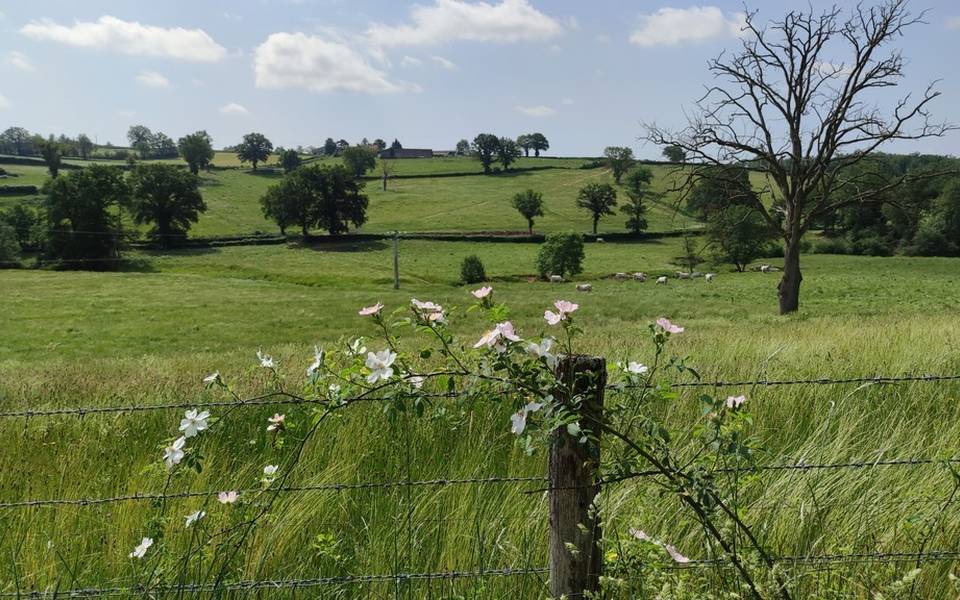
<point x="148" y="333"/>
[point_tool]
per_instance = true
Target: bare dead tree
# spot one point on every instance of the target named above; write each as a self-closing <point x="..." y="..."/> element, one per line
<point x="386" y="171"/>
<point x="783" y="105"/>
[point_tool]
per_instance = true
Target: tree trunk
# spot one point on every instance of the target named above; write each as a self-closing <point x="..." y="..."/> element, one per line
<point x="304" y="229"/>
<point x="384" y="183"/>
<point x="595" y="221"/>
<point x="530" y="226"/>
<point x="789" y="289"/>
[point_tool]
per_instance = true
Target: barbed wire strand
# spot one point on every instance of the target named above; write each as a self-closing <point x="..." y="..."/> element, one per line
<point x="81" y="411"/>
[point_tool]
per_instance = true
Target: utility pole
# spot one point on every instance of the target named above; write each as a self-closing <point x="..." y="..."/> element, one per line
<point x="396" y="260"/>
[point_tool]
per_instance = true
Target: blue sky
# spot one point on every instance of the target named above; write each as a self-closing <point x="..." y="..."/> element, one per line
<point x="586" y="74"/>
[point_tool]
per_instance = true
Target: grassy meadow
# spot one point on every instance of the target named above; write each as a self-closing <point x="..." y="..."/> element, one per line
<point x="151" y="331"/>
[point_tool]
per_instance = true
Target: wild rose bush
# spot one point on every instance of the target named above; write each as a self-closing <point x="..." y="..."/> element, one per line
<point x="498" y="365"/>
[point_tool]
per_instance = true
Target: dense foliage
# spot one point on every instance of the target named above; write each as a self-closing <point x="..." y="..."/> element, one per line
<point x="561" y="254"/>
<point x="324" y="197"/>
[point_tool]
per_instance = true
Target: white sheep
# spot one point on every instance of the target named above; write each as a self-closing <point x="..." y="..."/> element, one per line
<point x="682" y="275"/>
<point x="599" y="240"/>
<point x="584" y="287"/>
<point x="765" y="268"/>
<point x="640" y="277"/>
<point x="556" y="279"/>
<point x="709" y="277"/>
<point x="662" y="280"/>
<point x="621" y="276"/>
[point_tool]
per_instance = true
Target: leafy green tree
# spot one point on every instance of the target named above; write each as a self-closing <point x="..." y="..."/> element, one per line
<point x="359" y="159"/>
<point x="637" y="190"/>
<point x="719" y="187"/>
<point x="619" y="159"/>
<point x="739" y="235"/>
<point x="598" y="198"/>
<point x="380" y="145"/>
<point x="169" y="198"/>
<point x="675" y="154"/>
<point x="15" y="140"/>
<point x="561" y="254"/>
<point x="317" y="196"/>
<point x="507" y="152"/>
<point x="255" y="148"/>
<point x="141" y="139"/>
<point x="82" y="227"/>
<point x="290" y="160"/>
<point x="692" y="253"/>
<point x="25" y="221"/>
<point x="163" y="146"/>
<point x="463" y="148"/>
<point x="485" y="146"/>
<point x="84" y="146"/>
<point x="471" y="270"/>
<point x="396" y="145"/>
<point x="329" y="147"/>
<point x="539" y="143"/>
<point x="342" y="145"/>
<point x="529" y="204"/>
<point x="196" y="150"/>
<point x="52" y="154"/>
<point x="526" y="142"/>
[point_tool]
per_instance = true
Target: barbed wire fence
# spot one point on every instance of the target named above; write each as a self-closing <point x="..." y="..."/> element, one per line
<point x="530" y="485"/>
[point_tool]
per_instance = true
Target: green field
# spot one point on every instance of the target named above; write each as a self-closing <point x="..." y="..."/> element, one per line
<point x="149" y="332"/>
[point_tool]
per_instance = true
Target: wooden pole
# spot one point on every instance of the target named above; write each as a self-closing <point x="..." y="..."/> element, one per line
<point x="396" y="260"/>
<point x="575" y="556"/>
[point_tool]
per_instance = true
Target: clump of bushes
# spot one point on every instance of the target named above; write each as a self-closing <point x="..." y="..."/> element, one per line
<point x="561" y="254"/>
<point x="9" y="247"/>
<point x="471" y="270"/>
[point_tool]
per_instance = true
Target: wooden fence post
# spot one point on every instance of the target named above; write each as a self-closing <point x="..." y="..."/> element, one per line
<point x="575" y="556"/>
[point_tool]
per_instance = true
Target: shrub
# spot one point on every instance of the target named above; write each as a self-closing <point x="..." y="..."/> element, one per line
<point x="18" y="190"/>
<point x="9" y="247"/>
<point x="561" y="254"/>
<point x="472" y="271"/>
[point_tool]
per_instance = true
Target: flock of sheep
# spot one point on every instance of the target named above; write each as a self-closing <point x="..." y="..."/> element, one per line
<point x="662" y="280"/>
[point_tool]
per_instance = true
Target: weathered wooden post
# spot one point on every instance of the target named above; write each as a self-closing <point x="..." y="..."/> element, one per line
<point x="396" y="260"/>
<point x="575" y="535"/>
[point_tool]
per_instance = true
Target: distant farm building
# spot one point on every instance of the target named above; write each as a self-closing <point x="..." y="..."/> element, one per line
<point x="406" y="153"/>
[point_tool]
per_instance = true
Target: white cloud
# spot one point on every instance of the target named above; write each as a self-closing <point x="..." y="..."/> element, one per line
<point x="297" y="60"/>
<point x="567" y="102"/>
<point x="152" y="79"/>
<point x="446" y="64"/>
<point x="451" y="20"/>
<point x="4" y="103"/>
<point x="673" y="26"/>
<point x="19" y="60"/>
<point x="409" y="61"/>
<point x="234" y="109"/>
<point x="129" y="37"/>
<point x="540" y="110"/>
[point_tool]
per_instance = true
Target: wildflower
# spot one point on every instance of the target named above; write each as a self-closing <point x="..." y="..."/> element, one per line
<point x="194" y="517"/>
<point x="492" y="338"/>
<point x="173" y="454"/>
<point x="639" y="534"/>
<point x="676" y="556"/>
<point x="266" y="361"/>
<point x="276" y="422"/>
<point x="269" y="472"/>
<point x="542" y="350"/>
<point x="735" y="402"/>
<point x="667" y="326"/>
<point x="141" y="548"/>
<point x="519" y="419"/>
<point x="212" y="378"/>
<point x="379" y="364"/>
<point x="371" y="310"/>
<point x="416" y="381"/>
<point x="227" y="497"/>
<point x="429" y="310"/>
<point x="634" y="368"/>
<point x="564" y="308"/>
<point x="671" y="550"/>
<point x="334" y="389"/>
<point x="317" y="361"/>
<point x="482" y="292"/>
<point x="193" y="422"/>
<point x="357" y="348"/>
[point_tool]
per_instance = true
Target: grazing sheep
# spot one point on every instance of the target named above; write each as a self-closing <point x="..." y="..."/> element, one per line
<point x="556" y="279"/>
<point x="599" y="240"/>
<point x="661" y="281"/>
<point x="640" y="276"/>
<point x="765" y="268"/>
<point x="682" y="275"/>
<point x="621" y="276"/>
<point x="709" y="277"/>
<point x="584" y="287"/>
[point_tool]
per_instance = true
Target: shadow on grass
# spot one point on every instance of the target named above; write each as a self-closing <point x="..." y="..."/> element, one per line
<point x="347" y="245"/>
